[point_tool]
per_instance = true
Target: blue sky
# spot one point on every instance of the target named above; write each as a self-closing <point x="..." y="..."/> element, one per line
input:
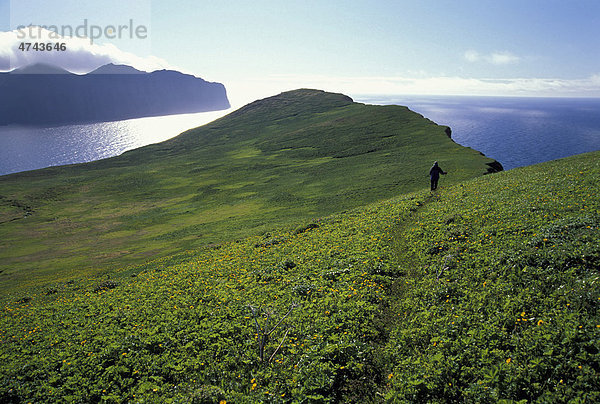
<point x="551" y="38"/>
<point x="257" y="48"/>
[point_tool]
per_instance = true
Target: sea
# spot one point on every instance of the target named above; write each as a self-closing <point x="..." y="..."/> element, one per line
<point x="24" y="148"/>
<point x="514" y="131"/>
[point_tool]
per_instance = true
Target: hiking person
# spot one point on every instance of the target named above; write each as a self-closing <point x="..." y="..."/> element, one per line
<point x="434" y="175"/>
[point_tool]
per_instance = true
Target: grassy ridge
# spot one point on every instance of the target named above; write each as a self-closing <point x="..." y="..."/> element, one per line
<point x="484" y="291"/>
<point x="295" y="156"/>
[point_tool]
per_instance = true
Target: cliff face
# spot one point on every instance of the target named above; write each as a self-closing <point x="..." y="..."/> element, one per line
<point x="41" y="95"/>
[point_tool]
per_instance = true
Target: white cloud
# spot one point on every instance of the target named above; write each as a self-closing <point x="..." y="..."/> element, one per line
<point x="80" y="57"/>
<point x="503" y="58"/>
<point x="472" y="56"/>
<point x="495" y="58"/>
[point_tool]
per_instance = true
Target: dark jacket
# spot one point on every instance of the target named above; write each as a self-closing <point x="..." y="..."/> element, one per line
<point x="435" y="172"/>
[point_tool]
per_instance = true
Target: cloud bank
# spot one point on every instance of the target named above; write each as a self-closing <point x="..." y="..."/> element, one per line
<point x="243" y="91"/>
<point x="81" y="56"/>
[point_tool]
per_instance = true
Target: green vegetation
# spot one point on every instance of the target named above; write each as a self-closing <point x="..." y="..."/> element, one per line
<point x="499" y="297"/>
<point x="484" y="291"/>
<point x="275" y="162"/>
<point x="311" y="285"/>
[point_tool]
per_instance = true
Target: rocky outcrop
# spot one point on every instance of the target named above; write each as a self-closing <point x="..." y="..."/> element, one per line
<point x="494" y="167"/>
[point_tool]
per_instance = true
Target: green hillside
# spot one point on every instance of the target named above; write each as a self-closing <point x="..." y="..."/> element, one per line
<point x="276" y="162"/>
<point x="484" y="291"/>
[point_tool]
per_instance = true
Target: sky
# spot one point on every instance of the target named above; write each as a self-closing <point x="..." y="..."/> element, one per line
<point x="262" y="47"/>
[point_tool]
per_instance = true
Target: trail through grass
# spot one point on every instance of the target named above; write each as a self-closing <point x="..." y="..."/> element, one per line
<point x="482" y="292"/>
<point x="498" y="297"/>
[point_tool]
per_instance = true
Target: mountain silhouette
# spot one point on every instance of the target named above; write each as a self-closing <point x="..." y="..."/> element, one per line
<point x="42" y="94"/>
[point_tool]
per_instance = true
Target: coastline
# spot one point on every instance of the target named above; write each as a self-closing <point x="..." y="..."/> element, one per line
<point x="514" y="131"/>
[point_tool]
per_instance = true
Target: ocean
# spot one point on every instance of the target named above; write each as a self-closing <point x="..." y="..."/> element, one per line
<point x="515" y="131"/>
<point x="24" y="148"/>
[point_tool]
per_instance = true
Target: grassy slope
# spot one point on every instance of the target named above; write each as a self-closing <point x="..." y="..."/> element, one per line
<point x="486" y="290"/>
<point x="291" y="157"/>
<point x="500" y="296"/>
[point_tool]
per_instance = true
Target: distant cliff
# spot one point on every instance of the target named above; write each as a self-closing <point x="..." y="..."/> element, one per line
<point x="47" y="95"/>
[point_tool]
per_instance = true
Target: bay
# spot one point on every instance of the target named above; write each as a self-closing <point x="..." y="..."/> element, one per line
<point x="24" y="148"/>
